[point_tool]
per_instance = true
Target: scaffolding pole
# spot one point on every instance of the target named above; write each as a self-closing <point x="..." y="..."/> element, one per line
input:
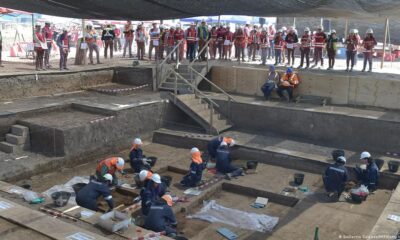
<point x="384" y="41"/>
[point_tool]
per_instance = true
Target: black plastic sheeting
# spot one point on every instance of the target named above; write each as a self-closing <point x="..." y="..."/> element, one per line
<point x="172" y="9"/>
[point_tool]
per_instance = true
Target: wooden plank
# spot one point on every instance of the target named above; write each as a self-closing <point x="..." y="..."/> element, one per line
<point x="41" y="222"/>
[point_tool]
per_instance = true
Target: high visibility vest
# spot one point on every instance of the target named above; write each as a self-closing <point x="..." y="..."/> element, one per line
<point x="368" y="44"/>
<point x="306" y="41"/>
<point x="191" y="35"/>
<point x="40" y="37"/>
<point x="65" y="43"/>
<point x="90" y="36"/>
<point x="48" y="34"/>
<point x="128" y="31"/>
<point x="214" y="35"/>
<point x="271" y="34"/>
<point x="179" y="34"/>
<point x="111" y="164"/>
<point x="319" y="40"/>
<point x="229" y="36"/>
<point x="278" y="43"/>
<point x="171" y="38"/>
<point x="264" y="41"/>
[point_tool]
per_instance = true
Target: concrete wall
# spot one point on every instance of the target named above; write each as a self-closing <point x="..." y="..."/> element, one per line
<point x="378" y="90"/>
<point x="22" y="86"/>
<point x="339" y="131"/>
<point x="134" y="76"/>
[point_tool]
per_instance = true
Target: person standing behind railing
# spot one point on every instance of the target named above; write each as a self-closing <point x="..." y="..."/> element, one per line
<point x="170" y="41"/>
<point x="39" y="42"/>
<point x="191" y="39"/>
<point x="271" y="36"/>
<point x="154" y="41"/>
<point x="368" y="48"/>
<point x="203" y="35"/>
<point x="47" y="33"/>
<point x="141" y="39"/>
<point x="228" y="40"/>
<point x="90" y="39"/>
<point x="179" y="35"/>
<point x="240" y="44"/>
<point x="213" y="43"/>
<point x="128" y="33"/>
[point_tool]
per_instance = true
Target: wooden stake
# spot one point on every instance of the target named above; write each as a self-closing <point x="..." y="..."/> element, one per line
<point x="384" y="42"/>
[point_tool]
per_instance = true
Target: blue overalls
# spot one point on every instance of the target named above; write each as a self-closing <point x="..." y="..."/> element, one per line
<point x="136" y="156"/>
<point x="224" y="162"/>
<point x="194" y="176"/>
<point x="160" y="218"/>
<point x="213" y="145"/>
<point x="335" y="178"/>
<point x="149" y="195"/>
<point x="87" y="196"/>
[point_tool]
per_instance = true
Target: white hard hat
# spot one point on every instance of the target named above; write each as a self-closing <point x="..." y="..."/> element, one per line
<point x="333" y="31"/>
<point x="223" y="144"/>
<point x="193" y="24"/>
<point x="365" y="155"/>
<point x="355" y="30"/>
<point x="284" y="28"/>
<point x="143" y="175"/>
<point x="320" y="27"/>
<point x="161" y="26"/>
<point x="108" y="177"/>
<point x="195" y="149"/>
<point x="138" y="141"/>
<point x="263" y="29"/>
<point x="156" y="178"/>
<point x="233" y="142"/>
<point x="247" y="22"/>
<point x="306" y="29"/>
<point x="120" y="163"/>
<point x="280" y="30"/>
<point x="178" y="25"/>
<point x="352" y="31"/>
<point x="256" y="25"/>
<point x="369" y="30"/>
<point x="341" y="159"/>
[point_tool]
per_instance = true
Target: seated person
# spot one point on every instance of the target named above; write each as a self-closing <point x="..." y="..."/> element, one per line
<point x="143" y="178"/>
<point x="152" y="192"/>
<point x="224" y="165"/>
<point x="196" y="170"/>
<point x="110" y="165"/>
<point x="287" y="83"/>
<point x="336" y="177"/>
<point x="214" y="144"/>
<point x="138" y="161"/>
<point x="370" y="175"/>
<point x="271" y="83"/>
<point x="161" y="217"/>
<point x="88" y="195"/>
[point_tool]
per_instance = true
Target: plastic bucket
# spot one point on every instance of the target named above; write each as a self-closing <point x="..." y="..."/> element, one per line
<point x="251" y="164"/>
<point x="60" y="198"/>
<point x="167" y="180"/>
<point x="26" y="186"/>
<point x="78" y="186"/>
<point x="379" y="163"/>
<point x="393" y="166"/>
<point x="298" y="178"/>
<point x="153" y="161"/>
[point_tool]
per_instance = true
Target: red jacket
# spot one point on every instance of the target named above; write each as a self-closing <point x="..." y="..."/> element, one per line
<point x="229" y="36"/>
<point x="254" y="37"/>
<point x="264" y="40"/>
<point x="221" y="34"/>
<point x="179" y="35"/>
<point x="369" y="43"/>
<point x="278" y="42"/>
<point x="214" y="34"/>
<point x="319" y="39"/>
<point x="117" y="32"/>
<point x="240" y="40"/>
<point x="170" y="38"/>
<point x="191" y="35"/>
<point x="352" y="43"/>
<point x="305" y="41"/>
<point x="48" y="34"/>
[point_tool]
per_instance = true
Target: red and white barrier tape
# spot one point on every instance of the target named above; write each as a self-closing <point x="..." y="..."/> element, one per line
<point x="102" y="119"/>
<point x="122" y="89"/>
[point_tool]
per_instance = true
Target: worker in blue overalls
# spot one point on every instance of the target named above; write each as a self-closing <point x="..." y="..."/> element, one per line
<point x="161" y="217"/>
<point x="335" y="178"/>
<point x="138" y="161"/>
<point x="224" y="165"/>
<point x="214" y="144"/>
<point x="193" y="178"/>
<point x="88" y="195"/>
<point x="152" y="192"/>
<point x="370" y="175"/>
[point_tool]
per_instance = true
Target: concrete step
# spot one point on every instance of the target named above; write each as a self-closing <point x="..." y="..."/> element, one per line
<point x="19" y="130"/>
<point x="14" y="139"/>
<point x="7" y="147"/>
<point x="172" y="80"/>
<point x="187" y="96"/>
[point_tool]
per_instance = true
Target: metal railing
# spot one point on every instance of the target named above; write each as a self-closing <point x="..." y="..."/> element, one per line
<point x="205" y="48"/>
<point x="161" y="76"/>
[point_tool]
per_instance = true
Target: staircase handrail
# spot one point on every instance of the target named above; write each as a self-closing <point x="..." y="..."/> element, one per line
<point x="172" y="52"/>
<point x="200" y="52"/>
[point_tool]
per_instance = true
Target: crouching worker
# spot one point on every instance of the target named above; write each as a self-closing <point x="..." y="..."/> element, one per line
<point x="196" y="170"/>
<point x="224" y="162"/>
<point x="271" y="83"/>
<point x="152" y="192"/>
<point x="143" y="178"/>
<point x="161" y="217"/>
<point x="370" y="175"/>
<point x="335" y="178"/>
<point x="111" y="166"/>
<point x="214" y="144"/>
<point x="137" y="159"/>
<point x="288" y="82"/>
<point x="88" y="195"/>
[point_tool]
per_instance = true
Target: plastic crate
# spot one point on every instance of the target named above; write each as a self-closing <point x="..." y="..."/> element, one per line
<point x="114" y="221"/>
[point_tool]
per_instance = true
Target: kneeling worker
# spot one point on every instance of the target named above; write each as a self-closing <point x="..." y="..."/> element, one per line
<point x="110" y="165"/>
<point x="152" y="192"/>
<point x="161" y="217"/>
<point x="214" y="144"/>
<point x="137" y="159"/>
<point x="143" y="178"/>
<point x="224" y="165"/>
<point x="196" y="169"/>
<point x="336" y="177"/>
<point x="370" y="175"/>
<point x="88" y="195"/>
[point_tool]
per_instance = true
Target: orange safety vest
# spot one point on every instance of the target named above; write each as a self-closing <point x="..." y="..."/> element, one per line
<point x="191" y="35"/>
<point x="111" y="164"/>
<point x="305" y="41"/>
<point x="292" y="81"/>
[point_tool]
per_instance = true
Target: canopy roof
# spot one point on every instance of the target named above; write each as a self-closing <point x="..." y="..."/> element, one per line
<point x="172" y="9"/>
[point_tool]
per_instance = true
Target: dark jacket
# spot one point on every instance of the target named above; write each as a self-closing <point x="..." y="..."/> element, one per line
<point x="371" y="176"/>
<point x="194" y="176"/>
<point x="160" y="217"/>
<point x="136" y="156"/>
<point x="223" y="164"/>
<point x="107" y="34"/>
<point x="336" y="176"/>
<point x="149" y="195"/>
<point x="61" y="38"/>
<point x="88" y="195"/>
<point x="213" y="145"/>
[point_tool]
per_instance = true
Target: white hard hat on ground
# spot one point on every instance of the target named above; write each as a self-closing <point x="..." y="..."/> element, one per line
<point x="369" y="30"/>
<point x="365" y="155"/>
<point x="120" y="163"/>
<point x="138" y="141"/>
<point x="108" y="177"/>
<point x="156" y="178"/>
<point x="195" y="149"/>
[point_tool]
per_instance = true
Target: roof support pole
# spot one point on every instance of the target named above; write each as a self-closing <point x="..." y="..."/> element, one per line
<point x="384" y="41"/>
<point x="346" y="30"/>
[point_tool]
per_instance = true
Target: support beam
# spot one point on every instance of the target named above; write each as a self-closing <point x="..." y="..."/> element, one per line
<point x="384" y="41"/>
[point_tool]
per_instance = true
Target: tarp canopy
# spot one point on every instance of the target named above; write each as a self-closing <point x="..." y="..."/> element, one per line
<point x="173" y="9"/>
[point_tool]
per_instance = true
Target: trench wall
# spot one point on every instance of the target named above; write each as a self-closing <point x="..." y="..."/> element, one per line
<point x="362" y="89"/>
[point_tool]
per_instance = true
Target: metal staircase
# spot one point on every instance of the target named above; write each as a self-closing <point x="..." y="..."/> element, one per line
<point x="182" y="82"/>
